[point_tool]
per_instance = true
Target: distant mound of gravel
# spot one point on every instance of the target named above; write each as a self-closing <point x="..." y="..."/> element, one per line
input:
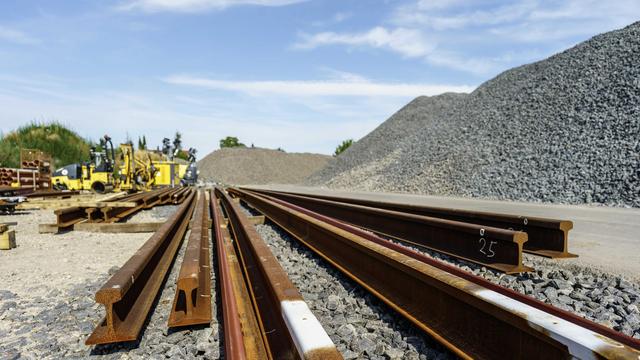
<point x="242" y="166"/>
<point x="565" y="129"/>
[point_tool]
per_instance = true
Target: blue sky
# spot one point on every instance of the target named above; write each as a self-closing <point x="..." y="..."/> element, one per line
<point x="301" y="75"/>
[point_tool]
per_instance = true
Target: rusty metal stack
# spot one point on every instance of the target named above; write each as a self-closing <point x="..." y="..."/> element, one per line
<point x="23" y="177"/>
<point x="34" y="172"/>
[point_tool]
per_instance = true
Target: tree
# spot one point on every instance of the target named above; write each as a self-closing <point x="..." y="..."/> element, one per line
<point x="342" y="147"/>
<point x="177" y="141"/>
<point x="230" y="141"/>
<point x="142" y="143"/>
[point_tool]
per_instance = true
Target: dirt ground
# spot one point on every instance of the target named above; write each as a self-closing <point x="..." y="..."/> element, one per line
<point x="42" y="262"/>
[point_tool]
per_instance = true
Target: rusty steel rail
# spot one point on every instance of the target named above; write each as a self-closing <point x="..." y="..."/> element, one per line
<point x="67" y="217"/>
<point x="52" y="193"/>
<point x="468" y="314"/>
<point x="129" y="294"/>
<point x="145" y="200"/>
<point x="242" y="335"/>
<point x="178" y="196"/>
<point x="546" y="237"/>
<point x="289" y="330"/>
<point x="192" y="302"/>
<point x="495" y="248"/>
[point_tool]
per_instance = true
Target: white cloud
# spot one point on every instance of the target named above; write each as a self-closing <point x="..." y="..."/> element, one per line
<point x="347" y="87"/>
<point x="483" y="38"/>
<point x="192" y="6"/>
<point x="418" y="15"/>
<point x="407" y="42"/>
<point x="16" y="36"/>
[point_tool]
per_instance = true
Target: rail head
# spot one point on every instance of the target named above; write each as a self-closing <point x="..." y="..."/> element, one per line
<point x="192" y="301"/>
<point x="233" y="334"/>
<point x="121" y="281"/>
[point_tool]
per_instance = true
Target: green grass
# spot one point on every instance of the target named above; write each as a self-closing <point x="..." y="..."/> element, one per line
<point x="64" y="145"/>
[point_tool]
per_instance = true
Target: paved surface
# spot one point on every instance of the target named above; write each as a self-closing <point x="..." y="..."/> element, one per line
<point x="604" y="237"/>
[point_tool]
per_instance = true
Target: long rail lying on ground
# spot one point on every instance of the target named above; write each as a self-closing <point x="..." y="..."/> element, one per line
<point x="192" y="302"/>
<point x="546" y="237"/>
<point x="129" y="294"/>
<point x="67" y="217"/>
<point x="286" y="328"/>
<point x="233" y="315"/>
<point x="469" y="315"/>
<point x="496" y="248"/>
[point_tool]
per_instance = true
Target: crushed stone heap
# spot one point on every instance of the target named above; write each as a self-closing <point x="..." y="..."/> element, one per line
<point x="565" y="129"/>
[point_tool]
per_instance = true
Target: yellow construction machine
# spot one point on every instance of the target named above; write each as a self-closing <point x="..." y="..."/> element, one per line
<point x="136" y="172"/>
<point x="95" y="175"/>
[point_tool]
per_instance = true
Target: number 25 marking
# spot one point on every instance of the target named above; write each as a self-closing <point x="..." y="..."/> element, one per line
<point x="483" y="245"/>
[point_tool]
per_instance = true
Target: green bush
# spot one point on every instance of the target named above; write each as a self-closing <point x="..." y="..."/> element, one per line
<point x="230" y="141"/>
<point x="342" y="147"/>
<point x="63" y="144"/>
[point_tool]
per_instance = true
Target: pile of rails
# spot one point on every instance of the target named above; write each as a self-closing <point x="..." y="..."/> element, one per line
<point x="471" y="316"/>
<point x="264" y="315"/>
<point x="496" y="241"/>
<point x="115" y="209"/>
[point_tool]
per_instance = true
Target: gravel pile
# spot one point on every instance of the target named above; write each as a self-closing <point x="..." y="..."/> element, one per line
<point x="56" y="325"/>
<point x="243" y="166"/>
<point x="565" y="129"/>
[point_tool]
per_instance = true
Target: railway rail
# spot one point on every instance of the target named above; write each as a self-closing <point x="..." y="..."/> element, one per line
<point x="469" y="315"/>
<point x="67" y="217"/>
<point x="192" y="302"/>
<point x="264" y="315"/>
<point x="287" y="328"/>
<point x="546" y="237"/>
<point x="496" y="248"/>
<point x="129" y="294"/>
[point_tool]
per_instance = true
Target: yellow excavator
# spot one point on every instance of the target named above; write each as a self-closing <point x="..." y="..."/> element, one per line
<point x="135" y="174"/>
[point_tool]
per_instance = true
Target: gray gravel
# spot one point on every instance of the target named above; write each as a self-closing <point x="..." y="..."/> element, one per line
<point x="56" y="325"/>
<point x="565" y="129"/>
<point x="361" y="326"/>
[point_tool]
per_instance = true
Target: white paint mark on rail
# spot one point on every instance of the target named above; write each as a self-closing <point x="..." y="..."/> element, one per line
<point x="308" y="334"/>
<point x="581" y="342"/>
